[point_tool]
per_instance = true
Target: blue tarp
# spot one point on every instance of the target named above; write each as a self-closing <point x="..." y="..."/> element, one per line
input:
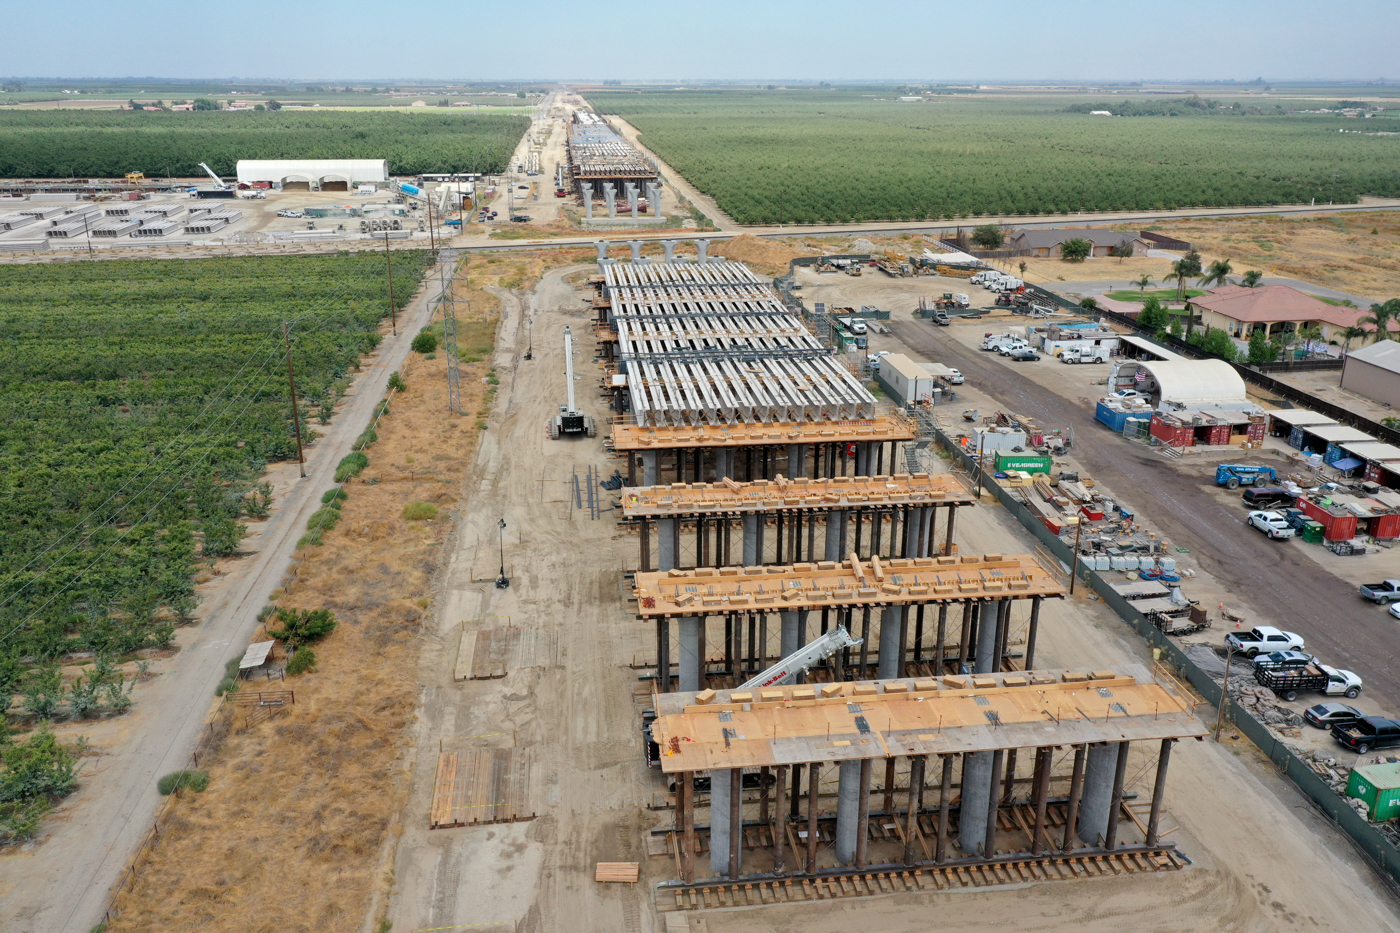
<point x="1347" y="463"/>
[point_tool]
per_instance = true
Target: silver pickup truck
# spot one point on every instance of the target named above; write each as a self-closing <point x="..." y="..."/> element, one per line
<point x="1387" y="591"/>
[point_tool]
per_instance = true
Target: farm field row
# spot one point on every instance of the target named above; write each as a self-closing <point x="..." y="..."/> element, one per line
<point x="841" y="156"/>
<point x="108" y="144"/>
<point x="139" y="404"/>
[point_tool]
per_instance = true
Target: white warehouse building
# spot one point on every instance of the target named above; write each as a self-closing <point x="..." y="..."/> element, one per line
<point x="314" y="174"/>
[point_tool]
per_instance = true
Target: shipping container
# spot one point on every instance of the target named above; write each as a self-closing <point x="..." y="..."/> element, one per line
<point x="1333" y="454"/>
<point x="1256" y="432"/>
<point x="1173" y="435"/>
<point x="1378" y="786"/>
<point x="1385" y="527"/>
<point x="1295" y="438"/>
<point x="1030" y="463"/>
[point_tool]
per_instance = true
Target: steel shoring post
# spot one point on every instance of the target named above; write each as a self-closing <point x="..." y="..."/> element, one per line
<point x="966" y="635"/>
<point x="865" y="642"/>
<point x="813" y="784"/>
<point x="796" y="795"/>
<point x="919" y="633"/>
<point x="940" y="854"/>
<point x="646" y="544"/>
<point x="1076" y="787"/>
<point x="663" y="652"/>
<point x="1116" y="801"/>
<point x="904" y="637"/>
<point x="889" y="786"/>
<point x="1003" y="632"/>
<point x="1034" y="629"/>
<point x="952" y="513"/>
<point x="763" y="794"/>
<point x="1159" y="789"/>
<point x="941" y="638"/>
<point x="1009" y="785"/>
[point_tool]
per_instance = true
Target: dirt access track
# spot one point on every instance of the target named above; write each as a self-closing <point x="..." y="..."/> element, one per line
<point x="1263" y="860"/>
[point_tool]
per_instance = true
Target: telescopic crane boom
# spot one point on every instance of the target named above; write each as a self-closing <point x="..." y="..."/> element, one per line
<point x="803" y="659"/>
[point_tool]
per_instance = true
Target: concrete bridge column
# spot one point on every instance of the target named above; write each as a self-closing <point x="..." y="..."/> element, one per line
<point x="891" y="641"/>
<point x="670" y="247"/>
<point x="751" y="555"/>
<point x="700" y="247"/>
<point x="691" y="664"/>
<point x="610" y="196"/>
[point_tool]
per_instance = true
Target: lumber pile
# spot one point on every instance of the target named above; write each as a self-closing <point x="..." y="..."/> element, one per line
<point x="625" y="872"/>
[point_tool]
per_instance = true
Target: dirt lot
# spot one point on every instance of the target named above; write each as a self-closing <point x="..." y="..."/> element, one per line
<point x="1355" y="253"/>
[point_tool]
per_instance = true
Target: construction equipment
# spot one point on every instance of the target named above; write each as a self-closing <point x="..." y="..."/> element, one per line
<point x="1231" y="475"/>
<point x="570" y="420"/>
<point x="218" y="182"/>
<point x="802" y="660"/>
<point x="135" y="178"/>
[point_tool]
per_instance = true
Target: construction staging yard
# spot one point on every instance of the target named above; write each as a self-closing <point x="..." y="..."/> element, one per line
<point x="538" y="710"/>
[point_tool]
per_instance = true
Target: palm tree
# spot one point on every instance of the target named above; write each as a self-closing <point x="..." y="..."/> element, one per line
<point x="1142" y="282"/>
<point x="1217" y="274"/>
<point x="1350" y="334"/>
<point x="1311" y="338"/>
<point x="1380" y="317"/>
<point x="1252" y="278"/>
<point x="1182" y="270"/>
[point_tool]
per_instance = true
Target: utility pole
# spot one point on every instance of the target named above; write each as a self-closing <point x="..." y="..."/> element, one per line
<point x="292" y="384"/>
<point x="432" y="242"/>
<point x="88" y="233"/>
<point x="449" y="334"/>
<point x="1074" y="568"/>
<point x="393" y="312"/>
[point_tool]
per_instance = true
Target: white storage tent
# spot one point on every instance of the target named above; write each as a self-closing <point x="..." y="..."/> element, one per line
<point x="1186" y="385"/>
<point x="315" y="173"/>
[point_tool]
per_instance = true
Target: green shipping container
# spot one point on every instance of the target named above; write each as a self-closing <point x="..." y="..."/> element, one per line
<point x="1029" y="463"/>
<point x="1312" y="532"/>
<point x="1379" y="787"/>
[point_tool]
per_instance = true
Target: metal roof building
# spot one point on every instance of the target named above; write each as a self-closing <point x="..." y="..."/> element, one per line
<point x="1374" y="372"/>
<point x="324" y="174"/>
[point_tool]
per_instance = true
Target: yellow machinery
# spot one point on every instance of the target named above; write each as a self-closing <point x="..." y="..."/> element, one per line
<point x="135" y="178"/>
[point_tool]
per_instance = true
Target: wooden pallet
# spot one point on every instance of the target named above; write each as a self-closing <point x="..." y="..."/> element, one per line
<point x="489" y="654"/>
<point x="621" y="872"/>
<point x="484" y="785"/>
<point x="799" y="887"/>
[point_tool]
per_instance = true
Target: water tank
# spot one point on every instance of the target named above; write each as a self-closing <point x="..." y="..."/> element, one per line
<point x="410" y="189"/>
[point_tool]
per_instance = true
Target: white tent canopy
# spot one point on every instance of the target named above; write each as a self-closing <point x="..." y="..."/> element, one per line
<point x="1192" y="385"/>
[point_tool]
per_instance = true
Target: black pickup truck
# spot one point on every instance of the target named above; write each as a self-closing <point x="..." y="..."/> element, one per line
<point x="1365" y="734"/>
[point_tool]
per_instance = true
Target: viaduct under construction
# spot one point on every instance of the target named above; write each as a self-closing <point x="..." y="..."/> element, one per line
<point x="774" y="502"/>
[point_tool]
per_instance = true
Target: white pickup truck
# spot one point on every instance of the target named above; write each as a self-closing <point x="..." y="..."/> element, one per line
<point x="1387" y="591"/>
<point x="1263" y="639"/>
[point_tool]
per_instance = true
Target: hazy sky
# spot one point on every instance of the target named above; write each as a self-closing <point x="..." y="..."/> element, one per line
<point x="984" y="40"/>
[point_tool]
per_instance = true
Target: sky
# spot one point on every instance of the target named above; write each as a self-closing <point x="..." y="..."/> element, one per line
<point x="768" y="40"/>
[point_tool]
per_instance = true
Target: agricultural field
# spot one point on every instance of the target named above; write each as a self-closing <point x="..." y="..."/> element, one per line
<point x="827" y="156"/>
<point x="140" y="402"/>
<point x="108" y="144"/>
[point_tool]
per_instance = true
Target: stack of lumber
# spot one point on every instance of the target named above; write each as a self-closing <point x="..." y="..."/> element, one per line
<point x="625" y="872"/>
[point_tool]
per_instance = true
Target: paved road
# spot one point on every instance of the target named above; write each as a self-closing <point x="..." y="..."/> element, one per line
<point x="1274" y="576"/>
<point x="64" y="886"/>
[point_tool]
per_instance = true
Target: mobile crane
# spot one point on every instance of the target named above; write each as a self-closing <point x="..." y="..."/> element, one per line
<point x="570" y="420"/>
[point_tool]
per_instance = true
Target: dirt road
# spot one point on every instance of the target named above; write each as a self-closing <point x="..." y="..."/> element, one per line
<point x="1279" y="582"/>
<point x="62" y="885"/>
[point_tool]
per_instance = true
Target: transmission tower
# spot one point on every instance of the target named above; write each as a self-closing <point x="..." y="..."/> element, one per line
<point x="449" y="335"/>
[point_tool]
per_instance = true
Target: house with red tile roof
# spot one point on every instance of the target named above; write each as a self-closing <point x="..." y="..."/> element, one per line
<point x="1240" y="311"/>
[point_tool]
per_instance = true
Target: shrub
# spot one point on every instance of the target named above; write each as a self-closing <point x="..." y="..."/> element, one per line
<point x="302" y="661"/>
<point x="300" y="626"/>
<point x="396" y="383"/>
<point x="351" y="465"/>
<point x="1076" y="249"/>
<point x="425" y="342"/>
<point x="37" y="768"/>
<point x="420" y="511"/>
<point x="324" y="518"/>
<point x="178" y="780"/>
<point x="334" y="496"/>
<point x="266" y="612"/>
<point x="988" y="236"/>
<point x="310" y="539"/>
<point x="366" y="439"/>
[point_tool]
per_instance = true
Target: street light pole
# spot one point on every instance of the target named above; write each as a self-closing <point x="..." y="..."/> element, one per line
<point x="502" y="582"/>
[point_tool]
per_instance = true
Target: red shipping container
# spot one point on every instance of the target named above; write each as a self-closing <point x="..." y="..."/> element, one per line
<point x="1094" y="515"/>
<point x="1386" y="527"/>
<point x="1171" y="434"/>
<point x="1341" y="528"/>
<point x="1256" y="432"/>
<point x="1373" y="472"/>
<point x="1219" y="435"/>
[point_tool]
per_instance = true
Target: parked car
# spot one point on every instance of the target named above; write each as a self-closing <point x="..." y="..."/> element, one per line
<point x="1022" y="354"/>
<point x="1265" y="496"/>
<point x="1007" y="348"/>
<point x="1128" y="393"/>
<point x="1327" y="715"/>
<point x="1367" y="733"/>
<point x="1271" y="523"/>
<point x="1395" y="610"/>
<point x="286" y="213"/>
<point x="518" y="218"/>
<point x="942" y="319"/>
<point x="1387" y="591"/>
<point x="874" y="358"/>
<point x="956" y="378"/>
<point x="1263" y="639"/>
<point x="1283" y="660"/>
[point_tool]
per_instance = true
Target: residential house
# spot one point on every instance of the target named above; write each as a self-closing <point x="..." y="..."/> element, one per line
<point x="1275" y="309"/>
<point x="1047" y="242"/>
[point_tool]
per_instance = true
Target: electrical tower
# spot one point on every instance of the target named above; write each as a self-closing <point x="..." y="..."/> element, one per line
<point x="449" y="334"/>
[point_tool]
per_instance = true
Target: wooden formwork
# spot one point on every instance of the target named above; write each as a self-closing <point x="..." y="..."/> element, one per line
<point x="482" y="785"/>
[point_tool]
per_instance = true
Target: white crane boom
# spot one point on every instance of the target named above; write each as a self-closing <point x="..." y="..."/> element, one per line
<point x="217" y="180"/>
<point x="802" y="660"/>
<point x="569" y="368"/>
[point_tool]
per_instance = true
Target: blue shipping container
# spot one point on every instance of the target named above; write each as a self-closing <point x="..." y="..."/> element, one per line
<point x="1295" y="438"/>
<point x="1111" y="417"/>
<point x="1333" y="454"/>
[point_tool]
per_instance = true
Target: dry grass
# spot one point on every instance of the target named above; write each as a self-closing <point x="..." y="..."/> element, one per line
<point x="289" y="835"/>
<point x="1336" y="250"/>
<point x="768" y="257"/>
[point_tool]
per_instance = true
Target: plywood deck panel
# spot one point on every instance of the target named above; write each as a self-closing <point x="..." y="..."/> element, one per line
<point x="484" y="785"/>
<point x="801" y="494"/>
